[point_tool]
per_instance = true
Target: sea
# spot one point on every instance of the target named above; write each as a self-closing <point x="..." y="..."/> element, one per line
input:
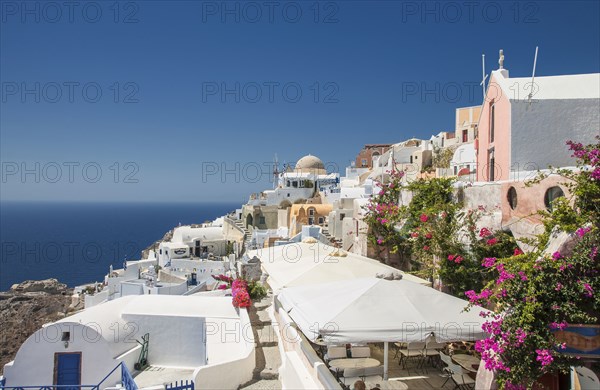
<point x="76" y="243"/>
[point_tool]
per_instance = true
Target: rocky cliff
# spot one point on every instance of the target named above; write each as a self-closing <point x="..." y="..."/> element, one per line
<point x="26" y="307"/>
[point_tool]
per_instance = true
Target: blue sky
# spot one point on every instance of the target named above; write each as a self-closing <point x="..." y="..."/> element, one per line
<point x="163" y="69"/>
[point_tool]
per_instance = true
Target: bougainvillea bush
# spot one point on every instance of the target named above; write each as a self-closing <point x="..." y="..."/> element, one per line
<point x="242" y="291"/>
<point x="434" y="231"/>
<point x="539" y="293"/>
<point x="383" y="214"/>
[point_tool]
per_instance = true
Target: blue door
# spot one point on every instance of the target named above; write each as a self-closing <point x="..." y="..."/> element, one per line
<point x="68" y="369"/>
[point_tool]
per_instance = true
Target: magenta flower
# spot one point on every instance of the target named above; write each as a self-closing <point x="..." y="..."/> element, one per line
<point x="379" y="241"/>
<point x="581" y="232"/>
<point x="492" y="241"/>
<point x="589" y="291"/>
<point x="544" y="356"/>
<point x="488" y="262"/>
<point x="485" y="232"/>
<point x="556" y="256"/>
<point x="424" y="218"/>
<point x="517" y="252"/>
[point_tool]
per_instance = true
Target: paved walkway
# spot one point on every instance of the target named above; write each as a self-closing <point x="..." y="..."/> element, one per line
<point x="268" y="359"/>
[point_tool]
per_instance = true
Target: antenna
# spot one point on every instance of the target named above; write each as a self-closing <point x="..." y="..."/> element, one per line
<point x="483" y="75"/>
<point x="275" y="171"/>
<point x="533" y="75"/>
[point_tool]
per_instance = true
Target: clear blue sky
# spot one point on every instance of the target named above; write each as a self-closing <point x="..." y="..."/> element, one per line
<point x="174" y="58"/>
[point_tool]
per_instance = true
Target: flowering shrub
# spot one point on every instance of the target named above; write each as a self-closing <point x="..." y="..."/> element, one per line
<point x="242" y="291"/>
<point x="383" y="213"/>
<point x="538" y="293"/>
<point x="436" y="234"/>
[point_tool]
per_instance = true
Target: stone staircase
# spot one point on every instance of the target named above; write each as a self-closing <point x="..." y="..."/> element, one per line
<point x="268" y="359"/>
<point x="328" y="236"/>
<point x="247" y="234"/>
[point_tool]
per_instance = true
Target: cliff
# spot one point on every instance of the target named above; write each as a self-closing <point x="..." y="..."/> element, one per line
<point x="26" y="307"/>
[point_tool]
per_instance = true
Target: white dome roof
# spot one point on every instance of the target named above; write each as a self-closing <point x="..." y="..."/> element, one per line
<point x="310" y="162"/>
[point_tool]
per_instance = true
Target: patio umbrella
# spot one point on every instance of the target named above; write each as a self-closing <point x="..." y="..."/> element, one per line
<point x="377" y="310"/>
<point x="301" y="264"/>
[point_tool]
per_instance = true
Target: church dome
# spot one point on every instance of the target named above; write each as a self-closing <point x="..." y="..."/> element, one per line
<point x="309" y="162"/>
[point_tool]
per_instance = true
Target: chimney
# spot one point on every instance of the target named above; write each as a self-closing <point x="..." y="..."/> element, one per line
<point x="501" y="69"/>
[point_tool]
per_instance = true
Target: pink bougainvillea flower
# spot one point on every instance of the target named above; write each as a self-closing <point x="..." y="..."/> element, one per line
<point x="424" y="218"/>
<point x="488" y="262"/>
<point x="581" y="232"/>
<point x="451" y="257"/>
<point x="492" y="241"/>
<point x="380" y="241"/>
<point x="458" y="259"/>
<point x="414" y="234"/>
<point x="558" y="287"/>
<point x="544" y="356"/>
<point x="588" y="290"/>
<point x="426" y="248"/>
<point x="428" y="236"/>
<point x="517" y="252"/>
<point x="556" y="256"/>
<point x="559" y="325"/>
<point x="485" y="232"/>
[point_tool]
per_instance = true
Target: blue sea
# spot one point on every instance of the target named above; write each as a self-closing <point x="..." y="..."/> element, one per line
<point x="77" y="242"/>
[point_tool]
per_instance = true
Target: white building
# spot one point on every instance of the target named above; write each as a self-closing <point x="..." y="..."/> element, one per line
<point x="307" y="178"/>
<point x="203" y="339"/>
<point x="190" y="242"/>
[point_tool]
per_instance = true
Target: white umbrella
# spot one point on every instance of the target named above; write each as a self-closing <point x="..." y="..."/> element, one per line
<point x="300" y="264"/>
<point x="377" y="310"/>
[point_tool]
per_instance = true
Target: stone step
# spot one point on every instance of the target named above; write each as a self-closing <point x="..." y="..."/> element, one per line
<point x="263" y="317"/>
<point x="272" y="363"/>
<point x="263" y="384"/>
<point x="267" y="336"/>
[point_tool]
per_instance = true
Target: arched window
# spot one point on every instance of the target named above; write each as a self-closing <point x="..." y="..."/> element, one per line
<point x="511" y="196"/>
<point x="552" y="194"/>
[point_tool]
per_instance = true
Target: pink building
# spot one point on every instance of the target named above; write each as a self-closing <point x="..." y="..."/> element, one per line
<point x="521" y="129"/>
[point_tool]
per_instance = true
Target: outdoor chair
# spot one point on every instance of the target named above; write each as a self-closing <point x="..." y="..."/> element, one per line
<point x="413" y="351"/>
<point x="587" y="378"/>
<point x="360" y="352"/>
<point x="351" y="375"/>
<point x="431" y="352"/>
<point x="334" y="352"/>
<point x="373" y="374"/>
<point x="462" y="381"/>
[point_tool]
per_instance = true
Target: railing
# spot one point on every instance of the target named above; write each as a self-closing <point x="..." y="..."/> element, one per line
<point x="126" y="380"/>
<point x="179" y="385"/>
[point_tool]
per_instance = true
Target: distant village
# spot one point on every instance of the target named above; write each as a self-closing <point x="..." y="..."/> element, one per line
<point x="287" y="291"/>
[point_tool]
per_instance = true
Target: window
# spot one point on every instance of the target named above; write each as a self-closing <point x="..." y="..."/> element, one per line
<point x="411" y="159"/>
<point x="288" y="195"/>
<point x="363" y="162"/>
<point x="311" y="221"/>
<point x="295" y="184"/>
<point x="551" y="195"/>
<point x="511" y="196"/>
<point x="465" y="135"/>
<point x="66" y="336"/>
<point x="491" y="165"/>
<point x="342" y="216"/>
<point x="261" y="220"/>
<point x="311" y="212"/>
<point x="455" y="170"/>
<point x="492" y="121"/>
<point x="321" y="220"/>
